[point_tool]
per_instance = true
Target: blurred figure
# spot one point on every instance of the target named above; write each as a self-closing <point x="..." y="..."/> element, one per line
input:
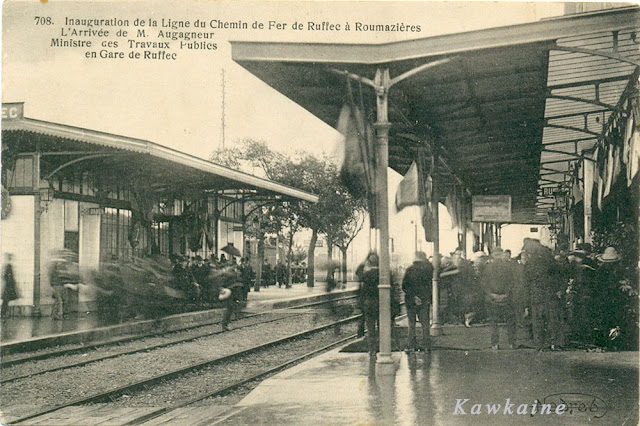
<point x="109" y="300"/>
<point x="200" y="272"/>
<point x="10" y="290"/>
<point x="416" y="285"/>
<point x="497" y="281"/>
<point x="183" y="279"/>
<point x="247" y="275"/>
<point x="281" y="274"/>
<point x="331" y="279"/>
<point x="475" y="310"/>
<point x="466" y="288"/>
<point x="268" y="277"/>
<point x="616" y="305"/>
<point x="64" y="274"/>
<point x="369" y="298"/>
<point x="230" y="293"/>
<point x="538" y="270"/>
<point x="581" y="293"/>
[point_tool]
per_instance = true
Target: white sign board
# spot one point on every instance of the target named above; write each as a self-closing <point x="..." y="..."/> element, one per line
<point x="491" y="208"/>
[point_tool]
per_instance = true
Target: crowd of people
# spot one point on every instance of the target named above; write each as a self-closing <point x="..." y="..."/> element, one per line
<point x="277" y="275"/>
<point x="155" y="286"/>
<point x="553" y="301"/>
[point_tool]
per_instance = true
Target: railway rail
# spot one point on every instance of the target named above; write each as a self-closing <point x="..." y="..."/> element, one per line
<point x="166" y="377"/>
<point x="126" y="346"/>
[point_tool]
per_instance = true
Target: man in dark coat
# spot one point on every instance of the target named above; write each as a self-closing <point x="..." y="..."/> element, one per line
<point x="497" y="281"/>
<point x="416" y="285"/>
<point x="9" y="292"/>
<point x="200" y="271"/>
<point x="247" y="276"/>
<point x="368" y="297"/>
<point x="544" y="293"/>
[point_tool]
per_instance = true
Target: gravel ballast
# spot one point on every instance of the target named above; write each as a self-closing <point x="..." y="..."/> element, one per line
<point x="55" y="388"/>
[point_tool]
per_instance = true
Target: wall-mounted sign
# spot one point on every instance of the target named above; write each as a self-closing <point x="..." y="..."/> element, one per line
<point x="12" y="111"/>
<point x="491" y="208"/>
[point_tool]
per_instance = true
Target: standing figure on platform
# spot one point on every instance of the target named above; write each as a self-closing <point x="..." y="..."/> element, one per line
<point x="281" y="274"/>
<point x="64" y="274"/>
<point x="616" y="305"/>
<point x="416" y="285"/>
<point x="369" y="298"/>
<point x="538" y="266"/>
<point x="200" y="273"/>
<point x="247" y="276"/>
<point x="9" y="292"/>
<point x="498" y="280"/>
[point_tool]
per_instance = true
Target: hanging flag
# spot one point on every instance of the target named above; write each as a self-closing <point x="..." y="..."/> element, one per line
<point x="358" y="162"/>
<point x="353" y="171"/>
<point x="428" y="222"/>
<point x="408" y="192"/>
<point x="634" y="156"/>
<point x="576" y="192"/>
<point x="589" y="171"/>
<point x="452" y="203"/>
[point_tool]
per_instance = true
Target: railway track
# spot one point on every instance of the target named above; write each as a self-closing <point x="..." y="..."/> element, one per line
<point x="81" y="356"/>
<point x="207" y="367"/>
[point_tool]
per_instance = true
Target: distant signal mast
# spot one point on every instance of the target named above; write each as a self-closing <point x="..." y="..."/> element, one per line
<point x="223" y="118"/>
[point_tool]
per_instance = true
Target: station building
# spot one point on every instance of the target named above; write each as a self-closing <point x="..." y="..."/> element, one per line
<point x="107" y="197"/>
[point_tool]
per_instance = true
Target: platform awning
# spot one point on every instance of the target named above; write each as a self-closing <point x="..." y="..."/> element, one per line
<point x="163" y="168"/>
<point x="499" y="106"/>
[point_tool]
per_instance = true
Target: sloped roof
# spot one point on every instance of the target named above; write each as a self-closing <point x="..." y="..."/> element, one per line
<point x="159" y="164"/>
<point x="494" y="108"/>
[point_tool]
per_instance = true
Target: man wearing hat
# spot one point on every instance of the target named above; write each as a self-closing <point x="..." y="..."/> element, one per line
<point x="416" y="285"/>
<point x="539" y="266"/>
<point x="609" y="301"/>
<point x="581" y="292"/>
<point x="497" y="281"/>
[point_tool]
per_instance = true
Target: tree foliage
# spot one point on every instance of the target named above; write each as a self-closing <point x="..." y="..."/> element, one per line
<point x="337" y="214"/>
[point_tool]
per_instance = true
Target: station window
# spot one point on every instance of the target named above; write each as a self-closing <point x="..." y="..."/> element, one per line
<point x="161" y="236"/>
<point x="22" y="174"/>
<point x="114" y="235"/>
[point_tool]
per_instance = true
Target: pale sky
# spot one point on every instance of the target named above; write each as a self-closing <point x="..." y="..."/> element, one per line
<point x="178" y="103"/>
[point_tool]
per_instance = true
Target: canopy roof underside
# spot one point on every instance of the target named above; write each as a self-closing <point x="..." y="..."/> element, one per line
<point x="163" y="170"/>
<point x="510" y="110"/>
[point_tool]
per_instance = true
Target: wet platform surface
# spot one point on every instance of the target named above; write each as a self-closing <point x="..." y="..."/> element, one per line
<point x="424" y="389"/>
<point x="16" y="329"/>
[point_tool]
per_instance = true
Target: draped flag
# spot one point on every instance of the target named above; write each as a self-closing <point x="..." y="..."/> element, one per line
<point x="428" y="222"/>
<point x="358" y="165"/>
<point x="454" y="208"/>
<point x="589" y="172"/>
<point x="576" y="192"/>
<point x="409" y="191"/>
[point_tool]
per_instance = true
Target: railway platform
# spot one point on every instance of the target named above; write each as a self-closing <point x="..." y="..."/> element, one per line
<point x="346" y="388"/>
<point x="84" y="327"/>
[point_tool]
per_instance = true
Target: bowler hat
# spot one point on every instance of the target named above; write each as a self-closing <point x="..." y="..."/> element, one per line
<point x="420" y="256"/>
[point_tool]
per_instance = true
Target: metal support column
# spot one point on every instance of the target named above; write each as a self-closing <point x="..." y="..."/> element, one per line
<point x="463" y="243"/>
<point x="436" y="326"/>
<point x="382" y="125"/>
<point x="37" y="211"/>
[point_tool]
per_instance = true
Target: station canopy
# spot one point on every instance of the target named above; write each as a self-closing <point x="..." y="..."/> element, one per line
<point x="511" y="109"/>
<point x="162" y="170"/>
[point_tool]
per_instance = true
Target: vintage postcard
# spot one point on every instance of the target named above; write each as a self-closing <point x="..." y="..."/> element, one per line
<point x="316" y="212"/>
